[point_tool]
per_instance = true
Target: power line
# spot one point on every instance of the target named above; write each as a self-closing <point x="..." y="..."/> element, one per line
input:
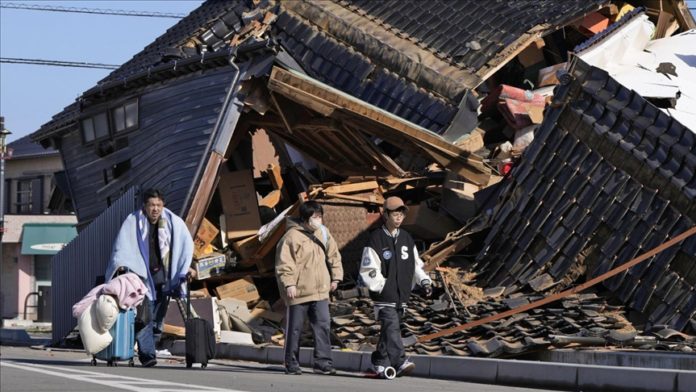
<point x="83" y="10"/>
<point x="12" y="60"/>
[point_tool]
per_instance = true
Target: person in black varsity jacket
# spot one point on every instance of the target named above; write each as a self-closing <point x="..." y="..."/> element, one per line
<point x="390" y="268"/>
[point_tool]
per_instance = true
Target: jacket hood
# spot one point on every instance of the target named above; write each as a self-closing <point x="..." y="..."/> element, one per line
<point x="293" y="223"/>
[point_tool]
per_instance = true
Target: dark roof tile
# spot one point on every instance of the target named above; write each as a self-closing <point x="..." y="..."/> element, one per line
<point x="463" y="21"/>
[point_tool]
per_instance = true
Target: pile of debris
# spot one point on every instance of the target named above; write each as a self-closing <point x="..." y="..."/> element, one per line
<point x="582" y="320"/>
<point x="529" y="155"/>
<point x="458" y="194"/>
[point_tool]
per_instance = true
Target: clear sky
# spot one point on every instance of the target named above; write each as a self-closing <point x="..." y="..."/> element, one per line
<point x="31" y="94"/>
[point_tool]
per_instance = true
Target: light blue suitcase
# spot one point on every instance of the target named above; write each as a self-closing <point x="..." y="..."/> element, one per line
<point x="121" y="347"/>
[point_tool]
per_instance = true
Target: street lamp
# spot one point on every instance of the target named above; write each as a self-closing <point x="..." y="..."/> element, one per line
<point x="3" y="155"/>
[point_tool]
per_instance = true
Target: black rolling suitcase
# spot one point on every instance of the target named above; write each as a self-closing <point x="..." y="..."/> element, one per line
<point x="200" y="337"/>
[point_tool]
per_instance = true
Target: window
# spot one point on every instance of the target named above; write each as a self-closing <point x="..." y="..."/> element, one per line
<point x="95" y="127"/>
<point x="88" y="130"/>
<point x="125" y="117"/>
<point x="118" y="119"/>
<point x="101" y="126"/>
<point x="23" y="201"/>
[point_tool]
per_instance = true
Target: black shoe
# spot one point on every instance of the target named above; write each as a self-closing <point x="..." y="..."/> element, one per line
<point x="150" y="363"/>
<point x="326" y="371"/>
<point x="293" y="371"/>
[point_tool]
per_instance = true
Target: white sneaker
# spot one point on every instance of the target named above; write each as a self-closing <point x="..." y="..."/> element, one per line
<point x="405" y="369"/>
<point x="163" y="353"/>
<point x="378" y="369"/>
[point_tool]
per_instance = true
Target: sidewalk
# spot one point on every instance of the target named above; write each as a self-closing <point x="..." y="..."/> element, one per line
<point x="580" y="375"/>
<point x="491" y="371"/>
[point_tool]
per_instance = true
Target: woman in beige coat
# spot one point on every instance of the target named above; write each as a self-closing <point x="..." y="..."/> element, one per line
<point x="308" y="267"/>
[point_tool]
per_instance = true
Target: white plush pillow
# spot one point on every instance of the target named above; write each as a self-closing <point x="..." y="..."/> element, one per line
<point x="92" y="338"/>
<point x="106" y="312"/>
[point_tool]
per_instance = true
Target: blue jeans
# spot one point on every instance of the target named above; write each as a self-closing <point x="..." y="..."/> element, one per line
<point x="149" y="335"/>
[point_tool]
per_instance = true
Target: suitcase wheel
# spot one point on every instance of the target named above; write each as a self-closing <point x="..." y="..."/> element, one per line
<point x="94" y="362"/>
<point x="189" y="364"/>
<point x="131" y="363"/>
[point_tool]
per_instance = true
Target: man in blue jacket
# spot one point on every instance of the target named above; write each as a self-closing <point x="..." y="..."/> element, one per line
<point x="390" y="268"/>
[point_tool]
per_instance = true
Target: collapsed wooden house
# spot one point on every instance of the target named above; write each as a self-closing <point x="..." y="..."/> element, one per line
<point x="313" y="88"/>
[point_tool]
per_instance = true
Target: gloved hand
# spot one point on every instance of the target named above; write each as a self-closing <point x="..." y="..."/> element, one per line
<point x="428" y="289"/>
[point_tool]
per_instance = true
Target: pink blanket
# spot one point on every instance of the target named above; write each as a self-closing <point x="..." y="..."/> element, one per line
<point x="128" y="289"/>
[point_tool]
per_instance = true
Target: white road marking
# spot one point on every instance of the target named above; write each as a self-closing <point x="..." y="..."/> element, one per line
<point x="115" y="381"/>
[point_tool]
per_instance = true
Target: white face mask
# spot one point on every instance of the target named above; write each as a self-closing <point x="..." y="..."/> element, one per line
<point x="315" y="223"/>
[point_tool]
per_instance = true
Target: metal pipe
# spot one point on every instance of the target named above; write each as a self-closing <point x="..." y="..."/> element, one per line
<point x="26" y="299"/>
<point x="3" y="152"/>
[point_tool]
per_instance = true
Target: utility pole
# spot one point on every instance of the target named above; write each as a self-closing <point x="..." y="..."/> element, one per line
<point x="3" y="155"/>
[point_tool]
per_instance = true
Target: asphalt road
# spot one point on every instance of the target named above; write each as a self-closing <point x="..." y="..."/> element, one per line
<point x="26" y="369"/>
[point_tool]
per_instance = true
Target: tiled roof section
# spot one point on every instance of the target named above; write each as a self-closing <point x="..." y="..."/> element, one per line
<point x="613" y="27"/>
<point x="221" y="17"/>
<point x="608" y="177"/>
<point x="25" y="148"/>
<point x="201" y="19"/>
<point x="340" y="66"/>
<point x="446" y="27"/>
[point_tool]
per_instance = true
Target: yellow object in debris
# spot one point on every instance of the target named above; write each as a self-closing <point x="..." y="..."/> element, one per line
<point x="625" y="8"/>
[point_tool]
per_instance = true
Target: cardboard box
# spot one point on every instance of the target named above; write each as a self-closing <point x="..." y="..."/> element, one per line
<point x="235" y="337"/>
<point x="242" y="289"/>
<point x="247" y="248"/>
<point x="212" y="265"/>
<point x="236" y="307"/>
<point x="239" y="203"/>
<point x="547" y="76"/>
<point x="532" y="54"/>
<point x="205" y="235"/>
<point x="206" y="308"/>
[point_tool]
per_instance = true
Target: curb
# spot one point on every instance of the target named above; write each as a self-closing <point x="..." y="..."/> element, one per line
<point x="485" y="370"/>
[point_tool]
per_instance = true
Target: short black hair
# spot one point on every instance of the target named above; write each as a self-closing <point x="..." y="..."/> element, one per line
<point x="152" y="193"/>
<point x="308" y="209"/>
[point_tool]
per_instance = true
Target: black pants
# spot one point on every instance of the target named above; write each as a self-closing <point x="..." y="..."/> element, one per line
<point x="390" y="348"/>
<point x="320" y="321"/>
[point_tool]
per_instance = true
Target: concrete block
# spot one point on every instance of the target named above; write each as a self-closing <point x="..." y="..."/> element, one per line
<point x="686" y="381"/>
<point x="244" y="352"/>
<point x="537" y="374"/>
<point x="179" y="348"/>
<point x="306" y="357"/>
<point x="365" y="361"/>
<point x="464" y="369"/>
<point x="640" y="359"/>
<point x="349" y="361"/>
<point x="613" y="378"/>
<point x="276" y="354"/>
<point x="422" y="365"/>
<point x="10" y="337"/>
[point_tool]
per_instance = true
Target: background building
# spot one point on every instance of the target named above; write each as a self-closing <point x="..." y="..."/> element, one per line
<point x="38" y="223"/>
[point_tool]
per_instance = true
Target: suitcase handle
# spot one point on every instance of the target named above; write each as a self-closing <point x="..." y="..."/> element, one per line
<point x="187" y="312"/>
